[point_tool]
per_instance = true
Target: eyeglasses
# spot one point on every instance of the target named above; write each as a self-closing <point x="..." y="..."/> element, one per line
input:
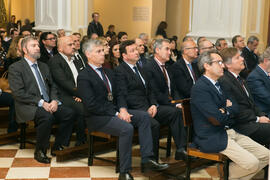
<point x="192" y="48"/>
<point x="51" y="39"/>
<point x="220" y="62"/>
<point x="210" y="47"/>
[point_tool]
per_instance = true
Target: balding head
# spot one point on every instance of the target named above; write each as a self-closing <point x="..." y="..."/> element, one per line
<point x="66" y="46"/>
<point x="189" y="50"/>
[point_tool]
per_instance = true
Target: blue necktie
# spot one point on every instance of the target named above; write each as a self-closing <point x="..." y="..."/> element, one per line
<point x="192" y="72"/>
<point x="41" y="84"/>
<point x="218" y="87"/>
<point x="138" y="74"/>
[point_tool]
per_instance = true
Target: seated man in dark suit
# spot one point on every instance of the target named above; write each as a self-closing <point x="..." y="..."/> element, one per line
<point x="96" y="86"/>
<point x="250" y="121"/>
<point x="134" y="91"/>
<point x="79" y="55"/>
<point x="184" y="71"/>
<point x="47" y="46"/>
<point x="249" y="53"/>
<point x="65" y="69"/>
<point x="259" y="82"/>
<point x="141" y="49"/>
<point x="212" y="114"/>
<point x="35" y="96"/>
<point x="164" y="89"/>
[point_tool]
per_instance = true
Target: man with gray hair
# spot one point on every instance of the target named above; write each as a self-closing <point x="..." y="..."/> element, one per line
<point x="259" y="82"/>
<point x="249" y="53"/>
<point x="97" y="88"/>
<point x="164" y="89"/>
<point x="212" y="111"/>
<point x="36" y="99"/>
<point x="221" y="43"/>
<point x="144" y="37"/>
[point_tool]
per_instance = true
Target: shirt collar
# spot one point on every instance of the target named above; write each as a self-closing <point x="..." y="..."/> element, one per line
<point x="263" y="71"/>
<point x="93" y="66"/>
<point x="211" y="80"/>
<point x="159" y="63"/>
<point x="235" y="75"/>
<point x="30" y="63"/>
<point x="66" y="58"/>
<point x="186" y="62"/>
<point x="130" y="65"/>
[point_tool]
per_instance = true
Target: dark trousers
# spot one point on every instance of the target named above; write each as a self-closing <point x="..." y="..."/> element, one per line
<point x="262" y="134"/>
<point x="44" y="121"/>
<point x="79" y="117"/>
<point x="172" y="116"/>
<point x="124" y="130"/>
<point x="7" y="100"/>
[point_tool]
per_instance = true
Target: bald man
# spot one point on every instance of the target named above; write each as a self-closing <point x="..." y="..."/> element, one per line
<point x="185" y="71"/>
<point x="65" y="70"/>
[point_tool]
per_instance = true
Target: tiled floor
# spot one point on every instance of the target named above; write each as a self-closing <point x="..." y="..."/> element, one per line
<point x="18" y="164"/>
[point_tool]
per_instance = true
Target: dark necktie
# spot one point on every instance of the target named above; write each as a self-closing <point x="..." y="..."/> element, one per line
<point x="242" y="84"/>
<point x="137" y="73"/>
<point x="80" y="59"/>
<point x="41" y="83"/>
<point x="165" y="74"/>
<point x="218" y="87"/>
<point x="105" y="80"/>
<point x="192" y="72"/>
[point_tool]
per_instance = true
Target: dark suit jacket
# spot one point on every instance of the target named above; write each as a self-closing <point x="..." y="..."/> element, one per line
<point x="143" y="61"/>
<point x="251" y="60"/>
<point x="98" y="110"/>
<point x="158" y="83"/>
<point x="95" y="28"/>
<point x="259" y="85"/>
<point x="182" y="78"/>
<point x="63" y="76"/>
<point x="209" y="122"/>
<point x="44" y="55"/>
<point x="247" y="115"/>
<point x="25" y="88"/>
<point x="131" y="93"/>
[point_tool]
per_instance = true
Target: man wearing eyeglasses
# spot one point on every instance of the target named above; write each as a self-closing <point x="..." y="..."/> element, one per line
<point x="185" y="71"/>
<point x="250" y="120"/>
<point x="205" y="46"/>
<point x="213" y="113"/>
<point x="47" y="46"/>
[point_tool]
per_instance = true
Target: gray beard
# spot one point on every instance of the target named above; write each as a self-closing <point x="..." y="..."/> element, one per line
<point x="35" y="55"/>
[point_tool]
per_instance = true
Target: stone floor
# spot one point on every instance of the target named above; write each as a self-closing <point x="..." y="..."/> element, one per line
<point x="19" y="164"/>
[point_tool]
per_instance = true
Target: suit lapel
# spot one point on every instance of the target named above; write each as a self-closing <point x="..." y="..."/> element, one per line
<point x="213" y="88"/>
<point x="95" y="75"/>
<point x="66" y="67"/>
<point x="133" y="75"/>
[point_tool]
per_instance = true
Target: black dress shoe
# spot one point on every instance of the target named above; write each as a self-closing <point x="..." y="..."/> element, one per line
<point x="153" y="165"/>
<point x="125" y="176"/>
<point x="180" y="154"/>
<point x="41" y="157"/>
<point x="57" y="148"/>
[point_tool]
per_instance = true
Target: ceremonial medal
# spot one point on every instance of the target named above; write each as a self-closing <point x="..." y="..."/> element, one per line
<point x="110" y="96"/>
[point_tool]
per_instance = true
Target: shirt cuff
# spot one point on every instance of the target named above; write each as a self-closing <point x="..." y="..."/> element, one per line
<point x="40" y="103"/>
<point x="258" y="119"/>
<point x="116" y="114"/>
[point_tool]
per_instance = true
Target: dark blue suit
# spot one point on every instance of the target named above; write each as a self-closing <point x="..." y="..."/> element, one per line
<point x="209" y="123"/>
<point x="259" y="85"/>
